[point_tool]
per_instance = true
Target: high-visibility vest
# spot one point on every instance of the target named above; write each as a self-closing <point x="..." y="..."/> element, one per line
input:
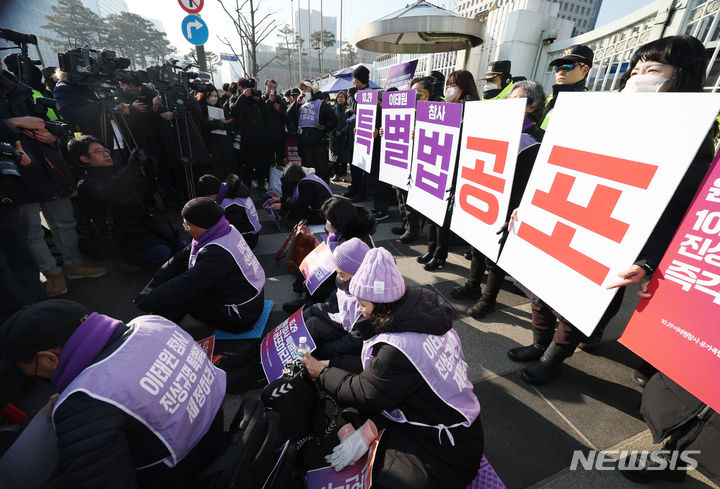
<point x="505" y="92"/>
<point x="50" y="112"/>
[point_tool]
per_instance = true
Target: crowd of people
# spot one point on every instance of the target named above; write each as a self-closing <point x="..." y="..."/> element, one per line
<point x="384" y="350"/>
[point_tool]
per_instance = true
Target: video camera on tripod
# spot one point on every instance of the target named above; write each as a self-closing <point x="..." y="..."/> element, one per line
<point x="174" y="82"/>
<point x="21" y="41"/>
<point x="101" y="70"/>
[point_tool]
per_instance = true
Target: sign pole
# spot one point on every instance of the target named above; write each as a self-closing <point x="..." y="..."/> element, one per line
<point x="200" y="53"/>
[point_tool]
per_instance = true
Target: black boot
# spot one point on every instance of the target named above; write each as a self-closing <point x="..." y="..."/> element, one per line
<point x="397" y="230"/>
<point x="407" y="237"/>
<point x="435" y="263"/>
<point x="467" y="291"/>
<point x="651" y="469"/>
<point x="481" y="308"/>
<point x="425" y="258"/>
<point x="548" y="368"/>
<point x="532" y="353"/>
<point x="292" y="306"/>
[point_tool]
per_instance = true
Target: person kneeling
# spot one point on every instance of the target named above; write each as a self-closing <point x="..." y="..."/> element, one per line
<point x="414" y="386"/>
<point x="332" y="324"/>
<point x="216" y="279"/>
<point x="139" y="406"/>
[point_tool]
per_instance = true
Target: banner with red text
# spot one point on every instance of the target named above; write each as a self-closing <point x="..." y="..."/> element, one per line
<point x="398" y="122"/>
<point x="488" y="153"/>
<point x="607" y="168"/>
<point x="676" y="330"/>
<point x="437" y="134"/>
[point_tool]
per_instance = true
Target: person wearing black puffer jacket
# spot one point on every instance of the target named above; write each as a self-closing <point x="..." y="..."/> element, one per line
<point x="414" y="385"/>
<point x="139" y="406"/>
<point x="303" y="193"/>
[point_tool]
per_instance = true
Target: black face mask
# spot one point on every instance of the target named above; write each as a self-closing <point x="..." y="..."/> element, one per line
<point x="341" y="284"/>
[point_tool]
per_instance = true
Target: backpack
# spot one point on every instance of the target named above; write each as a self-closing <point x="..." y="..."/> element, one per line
<point x="302" y="242"/>
<point x="248" y="450"/>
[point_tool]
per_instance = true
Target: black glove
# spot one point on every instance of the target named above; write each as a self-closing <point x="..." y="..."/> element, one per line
<point x="503" y="232"/>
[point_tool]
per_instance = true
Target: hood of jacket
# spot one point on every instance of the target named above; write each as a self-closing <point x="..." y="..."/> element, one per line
<point x="423" y="311"/>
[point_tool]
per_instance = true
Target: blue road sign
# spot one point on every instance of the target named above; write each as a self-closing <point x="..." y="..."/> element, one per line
<point x="195" y="30"/>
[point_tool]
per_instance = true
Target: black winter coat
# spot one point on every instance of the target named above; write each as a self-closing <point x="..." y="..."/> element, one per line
<point x="410" y="456"/>
<point x="275" y="119"/>
<point x="311" y="196"/>
<point x="47" y="177"/>
<point x="248" y="117"/>
<point x="79" y="108"/>
<point x="145" y="125"/>
<point x="310" y="136"/>
<point x="101" y="445"/>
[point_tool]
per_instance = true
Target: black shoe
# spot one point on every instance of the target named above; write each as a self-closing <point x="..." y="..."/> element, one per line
<point x="468" y="255"/>
<point x="380" y="215"/>
<point x="480" y="309"/>
<point x="530" y="353"/>
<point x="425" y="258"/>
<point x="640" y="378"/>
<point x="407" y="238"/>
<point x="541" y="373"/>
<point x="649" y="468"/>
<point x="434" y="264"/>
<point x="292" y="306"/>
<point x="467" y="291"/>
<point x="399" y="230"/>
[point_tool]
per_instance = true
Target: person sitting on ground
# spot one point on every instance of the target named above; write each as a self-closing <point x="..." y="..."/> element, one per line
<point x="140" y="404"/>
<point x="234" y="197"/>
<point x="332" y="323"/>
<point x="414" y="385"/>
<point x="139" y="233"/>
<point x="216" y="279"/>
<point x="303" y="193"/>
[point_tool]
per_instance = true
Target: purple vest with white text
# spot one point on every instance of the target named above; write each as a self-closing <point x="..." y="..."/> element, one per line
<point x="440" y="361"/>
<point x="162" y="378"/>
<point x="310" y="113"/>
<point x="249" y="207"/>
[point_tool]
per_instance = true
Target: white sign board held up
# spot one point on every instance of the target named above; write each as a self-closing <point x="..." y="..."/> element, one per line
<point x="607" y="168"/>
<point x="398" y="121"/>
<point x="364" y="127"/>
<point x="488" y="153"/>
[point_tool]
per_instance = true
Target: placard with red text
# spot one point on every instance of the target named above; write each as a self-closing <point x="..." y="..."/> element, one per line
<point x="676" y="330"/>
<point x="488" y="153"/>
<point x="607" y="168"/>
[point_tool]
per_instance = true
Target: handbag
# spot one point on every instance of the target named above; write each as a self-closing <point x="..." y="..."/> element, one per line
<point x="302" y="241"/>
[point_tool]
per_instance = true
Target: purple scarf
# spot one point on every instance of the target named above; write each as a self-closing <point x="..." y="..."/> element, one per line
<point x="222" y="191"/>
<point x="82" y="348"/>
<point x="217" y="230"/>
<point x="527" y="124"/>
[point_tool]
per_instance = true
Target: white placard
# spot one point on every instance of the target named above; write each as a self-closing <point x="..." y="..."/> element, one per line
<point x="218" y="114"/>
<point x="488" y="153"/>
<point x="606" y="170"/>
<point x="365" y="119"/>
<point x="398" y="121"/>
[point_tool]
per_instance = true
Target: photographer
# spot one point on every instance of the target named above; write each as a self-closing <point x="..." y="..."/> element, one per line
<point x="247" y="112"/>
<point x="143" y="121"/>
<point x="275" y="109"/>
<point x="123" y="194"/>
<point x="18" y="269"/>
<point x="47" y="186"/>
<point x="35" y="82"/>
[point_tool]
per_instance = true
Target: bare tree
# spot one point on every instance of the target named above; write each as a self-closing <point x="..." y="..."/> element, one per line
<point x="349" y="53"/>
<point x="252" y="28"/>
<point x="287" y="48"/>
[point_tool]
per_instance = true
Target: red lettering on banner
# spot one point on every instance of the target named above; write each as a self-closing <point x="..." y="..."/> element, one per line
<point x="557" y="245"/>
<point x="478" y="175"/>
<point x="619" y="170"/>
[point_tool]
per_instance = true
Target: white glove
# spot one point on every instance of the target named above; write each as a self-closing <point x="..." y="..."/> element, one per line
<point x="353" y="447"/>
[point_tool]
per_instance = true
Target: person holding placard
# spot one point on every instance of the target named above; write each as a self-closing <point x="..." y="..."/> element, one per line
<point x="459" y="88"/>
<point x="215" y="132"/>
<point x="414" y="385"/>
<point x="339" y="141"/>
<point x="672" y="64"/>
<point x="529" y="146"/>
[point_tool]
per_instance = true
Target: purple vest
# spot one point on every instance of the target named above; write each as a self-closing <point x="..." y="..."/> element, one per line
<point x="314" y="178"/>
<point x="348" y="310"/>
<point x="235" y="244"/>
<point x="441" y="362"/>
<point x="249" y="207"/>
<point x="162" y="378"/>
<point x="526" y="141"/>
<point x="310" y="113"/>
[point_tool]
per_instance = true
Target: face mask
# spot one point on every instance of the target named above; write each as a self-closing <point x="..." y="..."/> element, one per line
<point x="451" y="93"/>
<point x="341" y="284"/>
<point x="644" y="84"/>
<point x="491" y="86"/>
<point x="212" y="100"/>
<point x="308" y="95"/>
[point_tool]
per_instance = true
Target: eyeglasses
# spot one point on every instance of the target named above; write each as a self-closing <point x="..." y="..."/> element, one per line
<point x="567" y="67"/>
<point x="98" y="151"/>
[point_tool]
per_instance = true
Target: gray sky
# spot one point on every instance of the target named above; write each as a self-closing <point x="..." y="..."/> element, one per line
<point x="355" y="14"/>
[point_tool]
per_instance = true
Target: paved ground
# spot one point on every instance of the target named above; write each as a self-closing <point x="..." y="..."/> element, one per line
<point x="531" y="432"/>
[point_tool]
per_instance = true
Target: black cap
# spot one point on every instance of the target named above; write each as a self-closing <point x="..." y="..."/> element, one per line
<point x="208" y="185"/>
<point x="295" y="91"/>
<point x="362" y="74"/>
<point x="577" y="53"/>
<point x="437" y="76"/>
<point x="202" y="212"/>
<point x="287" y="93"/>
<point x="498" y="68"/>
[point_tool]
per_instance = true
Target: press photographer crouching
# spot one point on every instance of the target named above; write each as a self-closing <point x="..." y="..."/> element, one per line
<point x="119" y="204"/>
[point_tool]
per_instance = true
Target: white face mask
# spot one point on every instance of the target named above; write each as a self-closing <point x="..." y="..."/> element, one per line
<point x="308" y="95"/>
<point x="644" y="83"/>
<point x="491" y="86"/>
<point x="212" y="100"/>
<point x="451" y="93"/>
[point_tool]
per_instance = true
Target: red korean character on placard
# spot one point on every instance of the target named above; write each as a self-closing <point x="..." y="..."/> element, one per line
<point x="596" y="217"/>
<point x="478" y="175"/>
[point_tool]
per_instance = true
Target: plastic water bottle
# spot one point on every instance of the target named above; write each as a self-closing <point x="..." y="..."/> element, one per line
<point x="302" y="346"/>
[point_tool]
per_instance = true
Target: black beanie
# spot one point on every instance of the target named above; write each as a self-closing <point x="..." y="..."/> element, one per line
<point x="208" y="185"/>
<point x="202" y="212"/>
<point x="362" y="74"/>
<point x="39" y="327"/>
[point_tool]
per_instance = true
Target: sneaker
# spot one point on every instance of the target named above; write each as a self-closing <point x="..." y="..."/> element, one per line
<point x="84" y="271"/>
<point x="380" y="215"/>
<point x="56" y="285"/>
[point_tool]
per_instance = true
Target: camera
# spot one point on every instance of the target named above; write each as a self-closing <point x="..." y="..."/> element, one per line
<point x="9" y="160"/>
<point x="98" y="69"/>
<point x="174" y="82"/>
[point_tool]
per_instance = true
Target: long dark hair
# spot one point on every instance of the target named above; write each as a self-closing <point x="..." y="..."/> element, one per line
<point x="235" y="188"/>
<point x="383" y="313"/>
<point x="686" y="53"/>
<point x="352" y="221"/>
<point x="465" y="81"/>
<point x="290" y="179"/>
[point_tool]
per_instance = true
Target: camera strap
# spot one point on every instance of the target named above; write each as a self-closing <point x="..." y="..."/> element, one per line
<point x="60" y="176"/>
